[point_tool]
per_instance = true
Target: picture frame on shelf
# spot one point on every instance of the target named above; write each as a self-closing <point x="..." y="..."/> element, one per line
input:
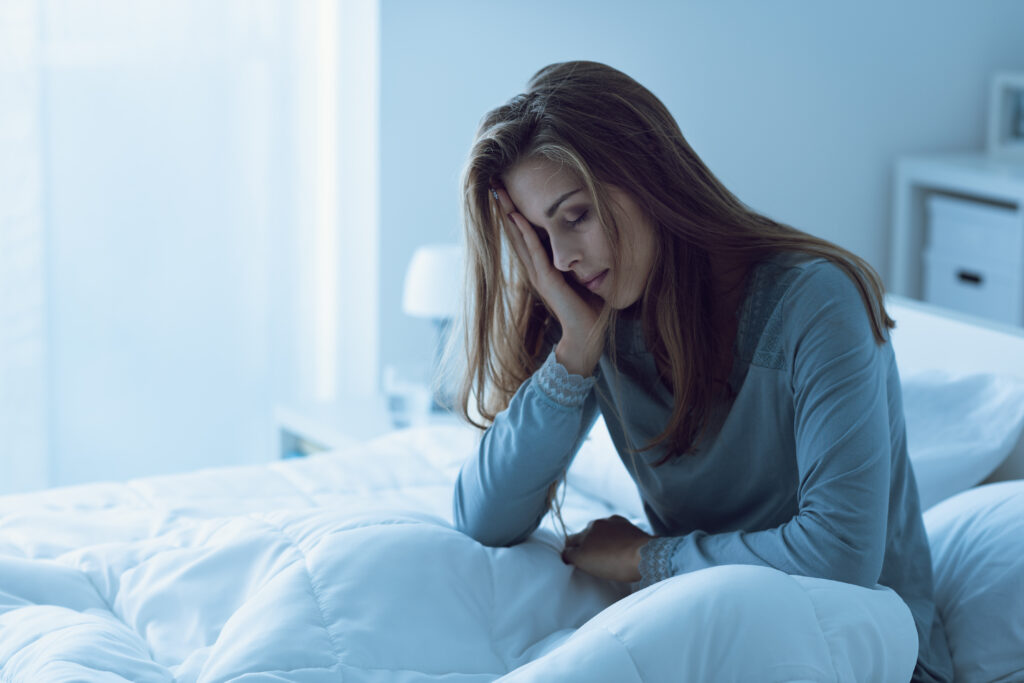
<point x="1006" y="116"/>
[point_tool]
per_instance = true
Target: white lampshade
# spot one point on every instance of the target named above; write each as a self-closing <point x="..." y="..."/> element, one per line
<point x="433" y="281"/>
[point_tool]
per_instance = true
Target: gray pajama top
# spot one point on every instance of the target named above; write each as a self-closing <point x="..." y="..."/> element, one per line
<point x="804" y="469"/>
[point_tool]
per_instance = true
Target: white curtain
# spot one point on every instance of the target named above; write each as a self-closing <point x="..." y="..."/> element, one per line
<point x="24" y="450"/>
<point x="187" y="228"/>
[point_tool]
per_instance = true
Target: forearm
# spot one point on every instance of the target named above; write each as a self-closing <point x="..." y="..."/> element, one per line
<point x="501" y="492"/>
<point x="801" y="547"/>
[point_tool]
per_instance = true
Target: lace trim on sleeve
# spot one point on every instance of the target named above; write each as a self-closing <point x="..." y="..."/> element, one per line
<point x="561" y="387"/>
<point x="656" y="560"/>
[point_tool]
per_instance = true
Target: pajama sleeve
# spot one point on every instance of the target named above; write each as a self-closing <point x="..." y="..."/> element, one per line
<point x="501" y="491"/>
<point x="838" y="376"/>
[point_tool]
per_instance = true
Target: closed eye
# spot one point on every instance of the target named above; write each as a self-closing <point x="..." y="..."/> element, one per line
<point x="579" y="219"/>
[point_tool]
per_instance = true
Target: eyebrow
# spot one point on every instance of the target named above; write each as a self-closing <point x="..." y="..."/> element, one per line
<point x="554" y="207"/>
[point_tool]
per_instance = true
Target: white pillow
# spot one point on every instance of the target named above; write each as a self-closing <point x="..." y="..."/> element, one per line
<point x="959" y="429"/>
<point x="977" y="545"/>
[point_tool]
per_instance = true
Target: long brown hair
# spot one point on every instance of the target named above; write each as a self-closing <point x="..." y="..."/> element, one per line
<point x="611" y="131"/>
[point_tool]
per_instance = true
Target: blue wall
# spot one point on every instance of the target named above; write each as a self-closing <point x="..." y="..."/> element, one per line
<point x="799" y="106"/>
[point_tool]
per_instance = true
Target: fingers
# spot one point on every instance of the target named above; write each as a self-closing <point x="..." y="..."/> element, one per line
<point x="512" y="217"/>
<point x="504" y="201"/>
<point x="572" y="547"/>
<point x="574" y="542"/>
<point x="513" y="230"/>
<point x="535" y="248"/>
<point x="575" y="307"/>
<point x="569" y="554"/>
<point x="526" y="243"/>
<point x="524" y="231"/>
<point x="522" y="249"/>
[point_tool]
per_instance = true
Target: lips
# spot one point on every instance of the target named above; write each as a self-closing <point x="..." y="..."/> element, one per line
<point x="593" y="283"/>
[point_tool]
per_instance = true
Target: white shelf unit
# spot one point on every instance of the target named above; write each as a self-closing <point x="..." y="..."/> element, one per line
<point x="972" y="178"/>
<point x="304" y="428"/>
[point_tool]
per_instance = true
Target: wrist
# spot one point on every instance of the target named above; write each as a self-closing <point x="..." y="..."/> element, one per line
<point x="637" y="558"/>
<point x="576" y="358"/>
<point x="561" y="385"/>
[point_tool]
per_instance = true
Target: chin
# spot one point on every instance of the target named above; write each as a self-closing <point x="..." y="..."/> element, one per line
<point x="621" y="303"/>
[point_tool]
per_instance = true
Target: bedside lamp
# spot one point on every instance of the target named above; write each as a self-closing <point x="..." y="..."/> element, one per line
<point x="432" y="286"/>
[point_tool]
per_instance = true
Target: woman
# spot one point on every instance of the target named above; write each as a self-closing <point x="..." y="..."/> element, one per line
<point x="743" y="367"/>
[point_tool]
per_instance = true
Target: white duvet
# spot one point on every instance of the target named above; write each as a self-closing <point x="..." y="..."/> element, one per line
<point x="344" y="567"/>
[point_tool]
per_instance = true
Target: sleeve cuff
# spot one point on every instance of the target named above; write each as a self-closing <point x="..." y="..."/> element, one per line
<point x="556" y="383"/>
<point x="656" y="560"/>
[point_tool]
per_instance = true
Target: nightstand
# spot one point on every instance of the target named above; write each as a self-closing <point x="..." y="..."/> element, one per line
<point x="304" y="428"/>
<point x="958" y="234"/>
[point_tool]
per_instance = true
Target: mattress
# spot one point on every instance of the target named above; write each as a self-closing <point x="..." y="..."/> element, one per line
<point x="345" y="566"/>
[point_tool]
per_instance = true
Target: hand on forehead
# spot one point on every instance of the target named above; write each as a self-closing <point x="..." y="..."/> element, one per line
<point x="538" y="187"/>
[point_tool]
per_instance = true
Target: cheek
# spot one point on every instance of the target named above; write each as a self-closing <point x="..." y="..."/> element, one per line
<point x="601" y="248"/>
<point x="642" y="248"/>
<point x="637" y="259"/>
<point x="647" y="256"/>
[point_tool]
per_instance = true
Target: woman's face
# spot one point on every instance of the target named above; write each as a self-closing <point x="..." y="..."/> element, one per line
<point x="556" y="203"/>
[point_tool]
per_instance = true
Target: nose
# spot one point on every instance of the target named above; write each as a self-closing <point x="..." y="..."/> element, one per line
<point x="566" y="252"/>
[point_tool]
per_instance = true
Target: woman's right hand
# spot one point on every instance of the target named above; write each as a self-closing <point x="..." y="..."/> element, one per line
<point x="577" y="310"/>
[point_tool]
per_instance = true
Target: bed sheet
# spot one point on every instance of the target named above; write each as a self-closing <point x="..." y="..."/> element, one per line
<point x="346" y="566"/>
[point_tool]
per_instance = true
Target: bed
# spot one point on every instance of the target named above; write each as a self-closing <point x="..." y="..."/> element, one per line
<point x="344" y="566"/>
